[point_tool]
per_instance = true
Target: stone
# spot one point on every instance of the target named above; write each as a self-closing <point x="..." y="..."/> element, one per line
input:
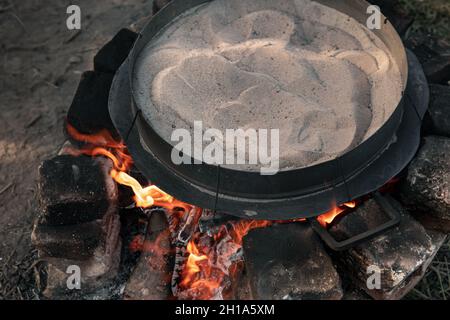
<point x="400" y="255"/>
<point x="289" y="262"/>
<point x="432" y="223"/>
<point x="114" y="53"/>
<point x="439" y="110"/>
<point x="422" y="51"/>
<point x="356" y="294"/>
<point x="434" y="57"/>
<point x="89" y="112"/>
<point x="437" y="69"/>
<point x="75" y="190"/>
<point x="426" y="189"/>
<point x="151" y="279"/>
<point x="241" y="289"/>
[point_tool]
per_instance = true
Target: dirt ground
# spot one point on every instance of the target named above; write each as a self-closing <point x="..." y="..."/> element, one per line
<point x="40" y="66"/>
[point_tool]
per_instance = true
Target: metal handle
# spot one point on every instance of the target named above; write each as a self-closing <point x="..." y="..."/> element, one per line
<point x="387" y="206"/>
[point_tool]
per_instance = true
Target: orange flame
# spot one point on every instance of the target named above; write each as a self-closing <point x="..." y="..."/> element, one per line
<point x="192" y="267"/>
<point x="205" y="272"/>
<point x="207" y="266"/>
<point x="103" y="144"/>
<point x="149" y="196"/>
<point x="327" y="218"/>
<point x="243" y="227"/>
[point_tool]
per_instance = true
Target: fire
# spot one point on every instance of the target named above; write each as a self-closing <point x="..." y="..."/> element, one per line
<point x="327" y="218"/>
<point x="150" y="196"/>
<point x="192" y="265"/>
<point x="102" y="138"/>
<point x="243" y="227"/>
<point x="103" y="144"/>
<point x="208" y="267"/>
<point x="211" y="260"/>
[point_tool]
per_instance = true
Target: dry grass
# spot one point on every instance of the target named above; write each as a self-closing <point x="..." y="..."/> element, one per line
<point x="19" y="277"/>
<point x="436" y="283"/>
<point x="432" y="17"/>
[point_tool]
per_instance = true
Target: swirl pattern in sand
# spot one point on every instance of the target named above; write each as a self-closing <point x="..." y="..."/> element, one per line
<point x="320" y="77"/>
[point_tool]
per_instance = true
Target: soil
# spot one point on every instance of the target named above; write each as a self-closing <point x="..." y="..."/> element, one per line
<point x="41" y="64"/>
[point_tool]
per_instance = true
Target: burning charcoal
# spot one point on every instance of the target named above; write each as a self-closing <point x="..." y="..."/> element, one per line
<point x="211" y="222"/>
<point x="75" y="190"/>
<point x="89" y="110"/>
<point x="289" y="262"/>
<point x="114" y="53"/>
<point x="151" y="278"/>
<point x="159" y="4"/>
<point x="439" y="110"/>
<point x="98" y="275"/>
<point x="181" y="256"/>
<point x="190" y="225"/>
<point x="426" y="190"/>
<point x="400" y="256"/>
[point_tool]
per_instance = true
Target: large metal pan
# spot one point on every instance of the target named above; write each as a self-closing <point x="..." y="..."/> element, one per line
<point x="301" y="193"/>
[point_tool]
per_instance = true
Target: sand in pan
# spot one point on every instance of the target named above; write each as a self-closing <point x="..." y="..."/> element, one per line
<point x="320" y="77"/>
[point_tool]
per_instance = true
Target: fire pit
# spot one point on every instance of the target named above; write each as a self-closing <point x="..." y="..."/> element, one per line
<point x="290" y="194"/>
<point x="211" y="232"/>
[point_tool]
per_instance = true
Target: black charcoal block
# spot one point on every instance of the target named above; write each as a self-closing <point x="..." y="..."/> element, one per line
<point x="89" y="111"/>
<point x="75" y="190"/>
<point x="77" y="242"/>
<point x="114" y="53"/>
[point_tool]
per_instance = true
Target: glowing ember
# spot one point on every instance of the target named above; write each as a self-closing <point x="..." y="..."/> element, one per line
<point x="210" y="266"/>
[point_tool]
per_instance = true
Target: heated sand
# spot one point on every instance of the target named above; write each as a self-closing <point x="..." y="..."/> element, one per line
<point x="320" y="77"/>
